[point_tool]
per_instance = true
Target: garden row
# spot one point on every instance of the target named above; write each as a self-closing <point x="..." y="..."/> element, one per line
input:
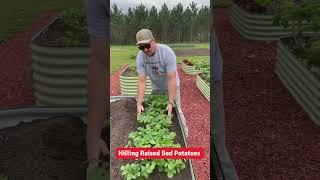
<point x="296" y="25"/>
<point x="154" y="132"/>
<point x="129" y="78"/>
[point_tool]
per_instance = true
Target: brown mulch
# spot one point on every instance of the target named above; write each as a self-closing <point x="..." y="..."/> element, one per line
<point x="269" y="136"/>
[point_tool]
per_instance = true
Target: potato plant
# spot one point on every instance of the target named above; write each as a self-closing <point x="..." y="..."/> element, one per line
<point x="155" y="132"/>
<point x="75" y="25"/>
<point x="205" y="68"/>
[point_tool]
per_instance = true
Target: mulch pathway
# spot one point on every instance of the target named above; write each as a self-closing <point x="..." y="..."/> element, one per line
<point x="15" y="66"/>
<point x="269" y="136"/>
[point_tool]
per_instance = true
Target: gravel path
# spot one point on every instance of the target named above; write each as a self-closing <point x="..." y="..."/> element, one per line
<point x="269" y="136"/>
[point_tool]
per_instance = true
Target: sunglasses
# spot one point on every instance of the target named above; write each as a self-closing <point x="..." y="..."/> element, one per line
<point x="144" y="47"/>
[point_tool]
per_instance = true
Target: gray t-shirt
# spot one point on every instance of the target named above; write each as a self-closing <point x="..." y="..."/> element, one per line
<point x="157" y="66"/>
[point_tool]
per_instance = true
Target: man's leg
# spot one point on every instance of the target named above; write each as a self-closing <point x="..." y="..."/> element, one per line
<point x="178" y="106"/>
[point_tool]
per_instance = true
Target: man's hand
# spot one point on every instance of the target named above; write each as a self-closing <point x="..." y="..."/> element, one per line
<point x="169" y="109"/>
<point x="96" y="147"/>
<point x="139" y="108"/>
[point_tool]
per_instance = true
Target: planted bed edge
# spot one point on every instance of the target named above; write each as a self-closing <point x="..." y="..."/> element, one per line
<point x="307" y="95"/>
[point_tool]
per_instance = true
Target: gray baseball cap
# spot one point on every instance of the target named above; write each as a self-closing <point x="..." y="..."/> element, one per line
<point x="144" y="36"/>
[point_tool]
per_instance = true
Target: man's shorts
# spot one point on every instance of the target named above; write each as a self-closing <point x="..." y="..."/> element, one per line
<point x="98" y="17"/>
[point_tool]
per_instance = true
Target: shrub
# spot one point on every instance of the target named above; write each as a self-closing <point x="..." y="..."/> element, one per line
<point x="314" y="53"/>
<point x="75" y="24"/>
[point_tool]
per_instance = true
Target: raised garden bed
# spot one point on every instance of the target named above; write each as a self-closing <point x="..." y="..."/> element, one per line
<point x="255" y="26"/>
<point x="203" y="86"/>
<point x="60" y="57"/>
<point x="123" y="122"/>
<point x="129" y="82"/>
<point x="46" y="143"/>
<point x="302" y="83"/>
<point x="189" y="68"/>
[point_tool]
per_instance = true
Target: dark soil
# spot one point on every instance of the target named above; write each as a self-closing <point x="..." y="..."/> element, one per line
<point x="269" y="136"/>
<point x="45" y="149"/>
<point x="123" y="113"/>
<point x="55" y="34"/>
<point x="191" y="52"/>
<point x="187" y="62"/>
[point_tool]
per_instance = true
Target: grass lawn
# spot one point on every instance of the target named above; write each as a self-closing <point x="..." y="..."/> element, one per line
<point x="16" y="14"/>
<point x="121" y="55"/>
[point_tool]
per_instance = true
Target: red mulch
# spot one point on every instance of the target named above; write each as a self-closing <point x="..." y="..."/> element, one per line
<point x="269" y="136"/>
<point x="196" y="109"/>
<point x="15" y="66"/>
<point x="115" y="82"/>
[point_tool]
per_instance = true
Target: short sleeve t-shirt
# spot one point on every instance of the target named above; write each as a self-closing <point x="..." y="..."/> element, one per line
<point x="157" y="66"/>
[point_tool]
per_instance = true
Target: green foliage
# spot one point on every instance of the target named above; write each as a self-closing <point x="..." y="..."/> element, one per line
<point x="155" y="133"/>
<point x="264" y="3"/>
<point x="205" y="68"/>
<point x="299" y="17"/>
<point x="101" y="172"/>
<point x="314" y="53"/>
<point x="75" y="24"/>
<point x="131" y="71"/>
<point x="179" y="24"/>
<point x="3" y="177"/>
<point x="15" y="15"/>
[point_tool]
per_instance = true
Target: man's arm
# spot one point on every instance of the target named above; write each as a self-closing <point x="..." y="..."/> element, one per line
<point x="171" y="86"/>
<point x="97" y="77"/>
<point x="171" y="67"/>
<point x="141" y="81"/>
<point x="97" y="96"/>
<point x="141" y="89"/>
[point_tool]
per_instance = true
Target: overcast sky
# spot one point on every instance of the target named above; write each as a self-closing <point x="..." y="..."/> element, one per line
<point x="125" y="4"/>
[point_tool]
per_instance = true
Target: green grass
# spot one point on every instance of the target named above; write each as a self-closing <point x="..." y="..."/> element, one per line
<point x="121" y="55"/>
<point x="190" y="45"/>
<point x="17" y="14"/>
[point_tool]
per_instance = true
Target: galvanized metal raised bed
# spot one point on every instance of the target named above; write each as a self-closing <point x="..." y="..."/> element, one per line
<point x="203" y="87"/>
<point x="59" y="73"/>
<point x="193" y="177"/>
<point x="190" y="69"/>
<point x="300" y="81"/>
<point x="255" y="26"/>
<point x="129" y="85"/>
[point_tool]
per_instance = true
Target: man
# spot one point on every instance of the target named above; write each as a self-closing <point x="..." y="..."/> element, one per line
<point x="158" y="61"/>
<point x="98" y="96"/>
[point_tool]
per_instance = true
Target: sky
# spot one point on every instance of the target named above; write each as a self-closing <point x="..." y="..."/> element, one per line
<point x="125" y="4"/>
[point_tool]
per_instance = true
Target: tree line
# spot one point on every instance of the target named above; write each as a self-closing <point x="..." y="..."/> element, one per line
<point x="178" y="25"/>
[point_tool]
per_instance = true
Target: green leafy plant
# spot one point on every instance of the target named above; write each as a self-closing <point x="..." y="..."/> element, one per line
<point x="264" y="2"/>
<point x="299" y="17"/>
<point x="131" y="71"/>
<point x="75" y="24"/>
<point x="314" y="53"/>
<point x="3" y="177"/>
<point x="154" y="133"/>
